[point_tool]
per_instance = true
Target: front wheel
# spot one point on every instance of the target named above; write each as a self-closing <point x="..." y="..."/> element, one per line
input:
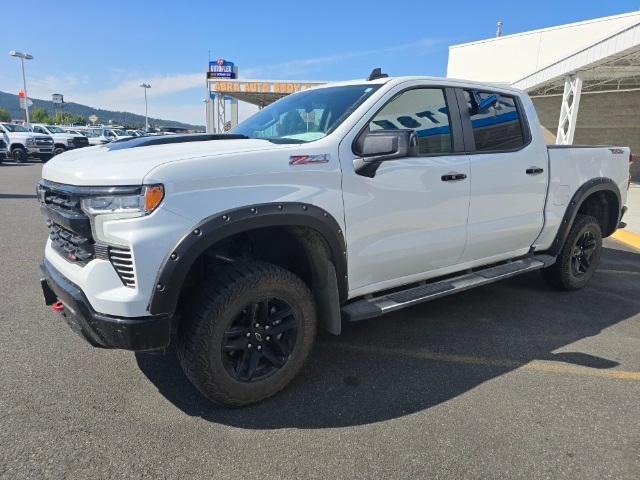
<point x="19" y="155"/>
<point x="58" y="150"/>
<point x="247" y="332"/>
<point x="579" y="257"/>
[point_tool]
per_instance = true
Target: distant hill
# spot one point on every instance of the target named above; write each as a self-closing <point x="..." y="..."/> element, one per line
<point x="10" y="102"/>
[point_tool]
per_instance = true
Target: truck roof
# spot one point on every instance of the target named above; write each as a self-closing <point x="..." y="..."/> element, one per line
<point x="438" y="80"/>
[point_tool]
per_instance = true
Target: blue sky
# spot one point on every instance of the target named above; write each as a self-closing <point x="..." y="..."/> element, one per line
<point x="97" y="53"/>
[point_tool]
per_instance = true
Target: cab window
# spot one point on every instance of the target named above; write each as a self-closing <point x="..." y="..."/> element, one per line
<point x="495" y="121"/>
<point x="423" y="110"/>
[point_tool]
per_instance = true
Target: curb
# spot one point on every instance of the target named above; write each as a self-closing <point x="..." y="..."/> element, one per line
<point x="629" y="238"/>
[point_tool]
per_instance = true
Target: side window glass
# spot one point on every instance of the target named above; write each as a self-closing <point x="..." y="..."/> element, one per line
<point x="495" y="120"/>
<point x="423" y="110"/>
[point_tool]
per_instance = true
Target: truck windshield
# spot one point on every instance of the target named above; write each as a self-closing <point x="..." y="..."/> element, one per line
<point x="14" y="128"/>
<point x="305" y="116"/>
<point x="53" y="129"/>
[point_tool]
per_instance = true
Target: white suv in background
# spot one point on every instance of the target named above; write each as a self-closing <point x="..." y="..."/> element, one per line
<point x="24" y="143"/>
<point x="62" y="139"/>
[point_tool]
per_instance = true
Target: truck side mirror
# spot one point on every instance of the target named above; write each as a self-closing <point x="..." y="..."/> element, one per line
<point x="379" y="146"/>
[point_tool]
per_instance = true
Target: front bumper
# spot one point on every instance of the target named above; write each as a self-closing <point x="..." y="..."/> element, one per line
<point x="100" y="330"/>
<point x="39" y="150"/>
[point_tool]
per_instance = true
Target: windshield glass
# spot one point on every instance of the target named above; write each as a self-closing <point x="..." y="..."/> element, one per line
<point x="120" y="133"/>
<point x="305" y="116"/>
<point x="14" y="128"/>
<point x="53" y="129"/>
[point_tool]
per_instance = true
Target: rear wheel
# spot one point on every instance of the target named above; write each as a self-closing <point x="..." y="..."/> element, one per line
<point x="247" y="333"/>
<point x="19" y="155"/>
<point x="579" y="257"/>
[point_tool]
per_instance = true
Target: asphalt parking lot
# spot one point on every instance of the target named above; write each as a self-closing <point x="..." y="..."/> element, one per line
<point x="512" y="380"/>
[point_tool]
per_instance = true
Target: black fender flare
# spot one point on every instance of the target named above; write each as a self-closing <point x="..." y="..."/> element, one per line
<point x="180" y="259"/>
<point x="600" y="184"/>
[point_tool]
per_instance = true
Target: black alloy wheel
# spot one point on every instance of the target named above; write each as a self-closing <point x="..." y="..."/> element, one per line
<point x="583" y="250"/>
<point x="260" y="340"/>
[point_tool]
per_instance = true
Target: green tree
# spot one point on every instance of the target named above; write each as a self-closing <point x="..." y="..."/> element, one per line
<point x="40" y="115"/>
<point x="5" y="116"/>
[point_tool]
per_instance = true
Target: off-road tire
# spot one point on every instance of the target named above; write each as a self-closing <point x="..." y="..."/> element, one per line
<point x="561" y="274"/>
<point x="213" y="308"/>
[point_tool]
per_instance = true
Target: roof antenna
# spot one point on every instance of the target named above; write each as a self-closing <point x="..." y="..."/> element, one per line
<point x="498" y="29"/>
<point x="375" y="74"/>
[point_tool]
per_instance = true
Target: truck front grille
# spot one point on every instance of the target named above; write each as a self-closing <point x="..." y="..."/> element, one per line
<point x="70" y="231"/>
<point x="80" y="141"/>
<point x="69" y="244"/>
<point x="44" y="142"/>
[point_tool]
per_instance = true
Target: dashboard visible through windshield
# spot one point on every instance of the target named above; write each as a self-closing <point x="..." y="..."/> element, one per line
<point x="305" y="116"/>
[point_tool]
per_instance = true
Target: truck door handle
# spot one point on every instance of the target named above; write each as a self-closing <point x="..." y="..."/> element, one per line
<point x="534" y="170"/>
<point x="453" y="177"/>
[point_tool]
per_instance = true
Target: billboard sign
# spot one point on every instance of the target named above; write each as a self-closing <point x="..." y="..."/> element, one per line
<point x="221" y="68"/>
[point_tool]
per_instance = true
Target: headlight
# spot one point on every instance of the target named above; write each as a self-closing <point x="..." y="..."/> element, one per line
<point x="70" y="141"/>
<point x="142" y="204"/>
<point x="106" y="208"/>
<point x="31" y="141"/>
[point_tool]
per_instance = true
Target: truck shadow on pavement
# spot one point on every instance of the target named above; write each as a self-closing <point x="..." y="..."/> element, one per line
<point x="415" y="359"/>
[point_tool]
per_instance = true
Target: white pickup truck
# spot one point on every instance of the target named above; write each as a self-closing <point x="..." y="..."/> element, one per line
<point x="332" y="205"/>
<point x="62" y="139"/>
<point x="23" y="143"/>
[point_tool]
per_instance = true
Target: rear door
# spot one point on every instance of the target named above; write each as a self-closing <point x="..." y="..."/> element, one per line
<point x="508" y="176"/>
<point x="411" y="217"/>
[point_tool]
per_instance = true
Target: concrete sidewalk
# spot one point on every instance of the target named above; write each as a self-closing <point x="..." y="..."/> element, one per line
<point x="630" y="235"/>
<point x="632" y="217"/>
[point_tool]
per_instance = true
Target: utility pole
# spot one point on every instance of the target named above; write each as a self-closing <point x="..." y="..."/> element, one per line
<point x="23" y="57"/>
<point x="146" y="117"/>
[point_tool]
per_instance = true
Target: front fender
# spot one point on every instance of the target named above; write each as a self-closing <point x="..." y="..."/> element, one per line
<point x="180" y="259"/>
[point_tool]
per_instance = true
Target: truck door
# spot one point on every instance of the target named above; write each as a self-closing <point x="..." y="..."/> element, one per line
<point x="508" y="176"/>
<point x="411" y="217"/>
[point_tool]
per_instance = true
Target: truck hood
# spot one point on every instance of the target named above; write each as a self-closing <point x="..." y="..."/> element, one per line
<point x="128" y="162"/>
<point x="24" y="135"/>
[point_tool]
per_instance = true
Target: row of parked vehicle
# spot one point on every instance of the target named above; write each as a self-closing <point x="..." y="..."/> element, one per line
<point x="19" y="142"/>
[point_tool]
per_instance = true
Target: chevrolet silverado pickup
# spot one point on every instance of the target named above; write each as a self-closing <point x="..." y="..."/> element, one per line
<point x="335" y="204"/>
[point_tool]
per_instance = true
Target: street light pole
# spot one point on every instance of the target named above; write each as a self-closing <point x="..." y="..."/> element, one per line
<point x="23" y="57"/>
<point x="146" y="118"/>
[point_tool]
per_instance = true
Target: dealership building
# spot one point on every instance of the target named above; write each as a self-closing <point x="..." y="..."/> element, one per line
<point x="584" y="78"/>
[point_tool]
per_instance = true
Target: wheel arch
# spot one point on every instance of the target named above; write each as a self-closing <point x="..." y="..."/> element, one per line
<point x="599" y="197"/>
<point x="318" y="233"/>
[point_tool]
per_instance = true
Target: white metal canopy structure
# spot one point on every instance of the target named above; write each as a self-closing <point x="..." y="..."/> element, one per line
<point x="568" y="61"/>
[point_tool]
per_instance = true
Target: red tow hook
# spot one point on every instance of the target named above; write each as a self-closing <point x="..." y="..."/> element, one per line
<point x="58" y="306"/>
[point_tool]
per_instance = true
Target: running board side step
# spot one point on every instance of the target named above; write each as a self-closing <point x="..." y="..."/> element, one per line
<point x="376" y="306"/>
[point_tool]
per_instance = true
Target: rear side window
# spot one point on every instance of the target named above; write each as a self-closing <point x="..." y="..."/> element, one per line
<point x="423" y="110"/>
<point x="495" y="120"/>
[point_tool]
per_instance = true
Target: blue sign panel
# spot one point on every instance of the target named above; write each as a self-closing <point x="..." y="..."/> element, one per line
<point x="221" y="69"/>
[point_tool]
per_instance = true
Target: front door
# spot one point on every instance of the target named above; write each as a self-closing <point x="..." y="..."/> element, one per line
<point x="411" y="217"/>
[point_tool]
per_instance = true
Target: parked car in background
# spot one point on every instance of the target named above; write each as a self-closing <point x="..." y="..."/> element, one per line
<point x="75" y="132"/>
<point x="136" y="133"/>
<point x="100" y="136"/>
<point x="62" y="140"/>
<point x="24" y="143"/>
